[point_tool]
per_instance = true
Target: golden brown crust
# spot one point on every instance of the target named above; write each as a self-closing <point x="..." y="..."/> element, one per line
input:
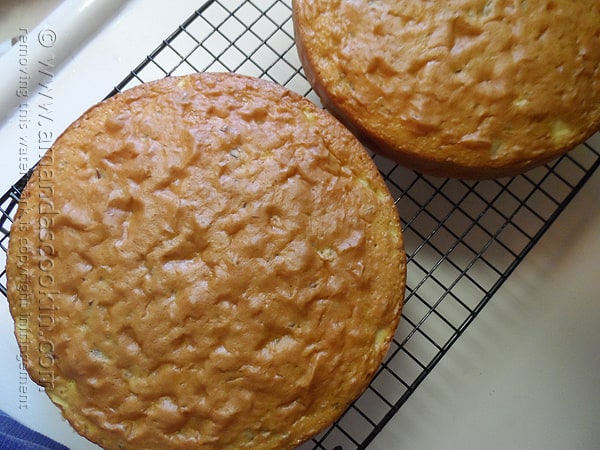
<point x="208" y="261"/>
<point x="460" y="88"/>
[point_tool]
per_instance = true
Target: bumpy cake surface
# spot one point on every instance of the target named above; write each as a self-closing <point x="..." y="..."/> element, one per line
<point x="460" y="88"/>
<point x="207" y="261"/>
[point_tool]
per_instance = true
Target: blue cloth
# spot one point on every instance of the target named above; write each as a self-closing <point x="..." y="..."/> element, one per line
<point x="16" y="436"/>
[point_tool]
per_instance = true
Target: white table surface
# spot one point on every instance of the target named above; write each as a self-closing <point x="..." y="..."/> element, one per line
<point x="525" y="375"/>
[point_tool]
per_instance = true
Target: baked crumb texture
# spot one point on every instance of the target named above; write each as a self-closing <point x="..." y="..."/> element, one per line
<point x="457" y="88"/>
<point x="224" y="267"/>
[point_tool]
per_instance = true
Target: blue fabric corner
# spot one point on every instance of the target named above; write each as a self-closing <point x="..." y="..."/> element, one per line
<point x="16" y="436"/>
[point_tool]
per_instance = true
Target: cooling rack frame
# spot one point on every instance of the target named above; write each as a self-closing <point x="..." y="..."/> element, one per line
<point x="463" y="238"/>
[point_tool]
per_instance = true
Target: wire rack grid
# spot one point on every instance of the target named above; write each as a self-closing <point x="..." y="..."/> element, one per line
<point x="463" y="239"/>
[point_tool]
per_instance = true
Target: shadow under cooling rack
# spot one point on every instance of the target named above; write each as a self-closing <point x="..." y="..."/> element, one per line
<point x="463" y="239"/>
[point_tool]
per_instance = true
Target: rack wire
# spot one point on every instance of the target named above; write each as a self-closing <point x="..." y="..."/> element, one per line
<point x="463" y="238"/>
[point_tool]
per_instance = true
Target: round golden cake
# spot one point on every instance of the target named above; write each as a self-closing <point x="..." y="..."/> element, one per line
<point x="457" y="88"/>
<point x="202" y="262"/>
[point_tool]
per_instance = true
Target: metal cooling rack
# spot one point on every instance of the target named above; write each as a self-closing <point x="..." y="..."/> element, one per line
<point x="463" y="239"/>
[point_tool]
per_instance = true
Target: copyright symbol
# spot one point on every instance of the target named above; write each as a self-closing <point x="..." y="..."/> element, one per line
<point x="47" y="38"/>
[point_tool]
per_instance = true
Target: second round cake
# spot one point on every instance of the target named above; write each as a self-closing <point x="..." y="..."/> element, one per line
<point x="458" y="88"/>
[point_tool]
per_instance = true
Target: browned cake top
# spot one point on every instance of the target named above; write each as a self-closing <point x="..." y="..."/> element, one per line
<point x="469" y="88"/>
<point x="212" y="262"/>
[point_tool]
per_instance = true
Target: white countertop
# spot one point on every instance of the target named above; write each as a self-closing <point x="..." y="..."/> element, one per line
<point x="525" y="375"/>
